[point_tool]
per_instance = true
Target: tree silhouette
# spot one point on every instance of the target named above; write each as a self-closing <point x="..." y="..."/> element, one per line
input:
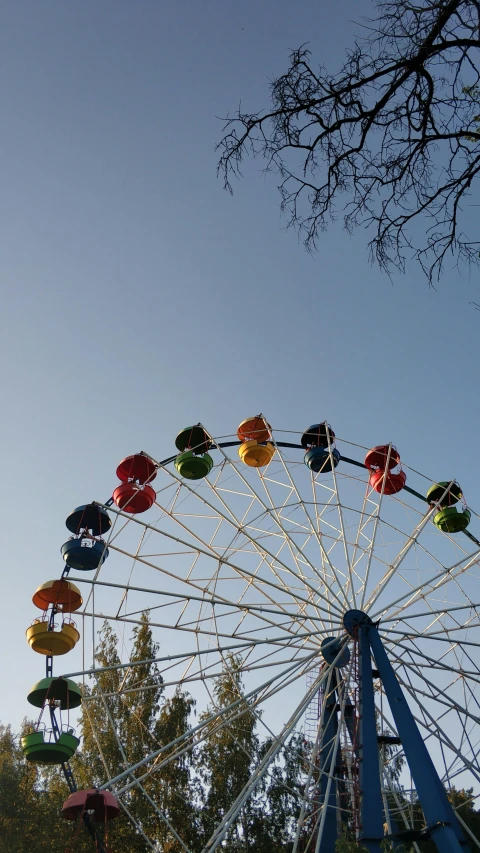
<point x="390" y="142"/>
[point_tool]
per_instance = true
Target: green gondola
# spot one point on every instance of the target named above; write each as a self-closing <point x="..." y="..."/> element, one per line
<point x="193" y="467"/>
<point x="39" y="751"/>
<point x="62" y="690"/>
<point x="450" y="520"/>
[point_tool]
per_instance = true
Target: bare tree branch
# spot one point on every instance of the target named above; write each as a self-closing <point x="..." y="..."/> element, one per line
<point x="391" y="141"/>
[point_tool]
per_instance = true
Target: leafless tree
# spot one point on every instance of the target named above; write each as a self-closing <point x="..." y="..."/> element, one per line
<point x="391" y="141"/>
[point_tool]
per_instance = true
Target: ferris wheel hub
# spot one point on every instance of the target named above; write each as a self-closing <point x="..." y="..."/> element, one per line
<point x="333" y="652"/>
<point x="355" y="619"/>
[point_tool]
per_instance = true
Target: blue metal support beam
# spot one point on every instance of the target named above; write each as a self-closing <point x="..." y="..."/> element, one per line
<point x="442" y="825"/>
<point x="445" y="830"/>
<point x="326" y="756"/>
<point x="343" y="780"/>
<point x="371" y="804"/>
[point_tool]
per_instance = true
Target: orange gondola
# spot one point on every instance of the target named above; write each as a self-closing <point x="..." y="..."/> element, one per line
<point x="63" y="594"/>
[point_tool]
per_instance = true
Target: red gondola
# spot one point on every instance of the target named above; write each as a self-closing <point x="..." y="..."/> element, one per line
<point x="393" y="482"/>
<point x="376" y="458"/>
<point x="101" y="805"/>
<point x="137" y="467"/>
<point x="133" y="498"/>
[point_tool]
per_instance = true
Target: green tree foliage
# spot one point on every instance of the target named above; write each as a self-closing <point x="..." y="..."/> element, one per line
<point x="190" y="790"/>
<point x="463" y="802"/>
<point x="226" y="761"/>
<point x="278" y="809"/>
<point x="179" y="788"/>
<point x="121" y="728"/>
<point x="346" y="844"/>
<point x="227" y="757"/>
<point x="30" y="802"/>
<point x="100" y="747"/>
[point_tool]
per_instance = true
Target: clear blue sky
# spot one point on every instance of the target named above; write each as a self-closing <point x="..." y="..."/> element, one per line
<point x="138" y="297"/>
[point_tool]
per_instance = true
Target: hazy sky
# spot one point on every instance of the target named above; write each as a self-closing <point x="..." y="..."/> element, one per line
<point x="138" y="297"/>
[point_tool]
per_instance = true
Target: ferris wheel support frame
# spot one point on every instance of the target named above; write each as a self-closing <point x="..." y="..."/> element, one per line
<point x="371" y="804"/>
<point x="442" y="823"/>
<point x="328" y="798"/>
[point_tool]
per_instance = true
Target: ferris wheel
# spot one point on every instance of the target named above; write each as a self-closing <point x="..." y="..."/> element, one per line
<point x="344" y="583"/>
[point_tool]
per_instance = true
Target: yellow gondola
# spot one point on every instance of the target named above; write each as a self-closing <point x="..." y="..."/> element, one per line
<point x="254" y="454"/>
<point x="52" y="642"/>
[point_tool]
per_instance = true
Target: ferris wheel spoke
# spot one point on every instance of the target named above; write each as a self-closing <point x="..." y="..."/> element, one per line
<point x="260" y="719"/>
<point x="281" y="641"/>
<point x="274" y="749"/>
<point x="433" y="612"/>
<point x="184" y="657"/>
<point x="433" y="726"/>
<point x="434" y="635"/>
<point x="121" y="803"/>
<point x="249" y="652"/>
<point x="198" y="587"/>
<point x="241" y="571"/>
<point x="401" y="810"/>
<point x="436" y="619"/>
<point x="314" y="528"/>
<point x="124" y="596"/>
<point x="430" y="734"/>
<point x="249" y="704"/>
<point x="438" y="663"/>
<point x="256" y="695"/>
<point x="366" y="520"/>
<point x="311" y="527"/>
<point x="433" y="696"/>
<point x="349" y="583"/>
<point x="448" y="703"/>
<point x="254" y="582"/>
<point x="427" y="633"/>
<point x="444" y="742"/>
<point x="213" y="600"/>
<point x="434" y="584"/>
<point x="381" y="586"/>
<point x="159" y="812"/>
<point x="376" y="519"/>
<point x="467" y="828"/>
<point x="459" y="709"/>
<point x="204" y="676"/>
<point x="306" y="798"/>
<point x="466" y="736"/>
<point x="325" y="528"/>
<point x="322" y="578"/>
<point x="431" y="663"/>
<point x="199" y="736"/>
<point x="245" y="527"/>
<point x="273" y="510"/>
<point x="333" y="762"/>
<point x="467" y="687"/>
<point x="456" y="672"/>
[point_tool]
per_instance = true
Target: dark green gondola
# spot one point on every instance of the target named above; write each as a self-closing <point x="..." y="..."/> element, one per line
<point x="61" y="690"/>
